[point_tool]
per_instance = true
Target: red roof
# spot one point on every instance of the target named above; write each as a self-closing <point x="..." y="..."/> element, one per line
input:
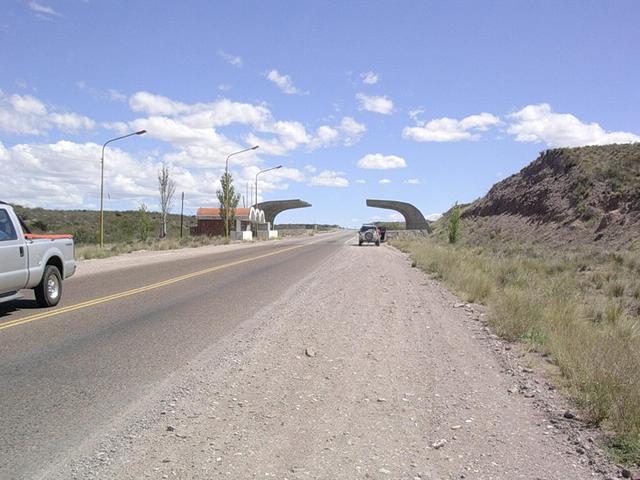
<point x="215" y="212"/>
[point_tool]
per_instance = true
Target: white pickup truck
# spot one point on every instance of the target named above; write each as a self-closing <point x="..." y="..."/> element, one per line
<point x="38" y="262"/>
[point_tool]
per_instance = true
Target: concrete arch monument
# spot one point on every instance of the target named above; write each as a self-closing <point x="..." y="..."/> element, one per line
<point x="273" y="208"/>
<point x="414" y="220"/>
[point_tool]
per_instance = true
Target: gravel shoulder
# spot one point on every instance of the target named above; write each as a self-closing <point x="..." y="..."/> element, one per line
<point x="365" y="369"/>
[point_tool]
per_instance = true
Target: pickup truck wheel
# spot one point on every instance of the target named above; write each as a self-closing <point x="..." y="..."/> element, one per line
<point x="49" y="290"/>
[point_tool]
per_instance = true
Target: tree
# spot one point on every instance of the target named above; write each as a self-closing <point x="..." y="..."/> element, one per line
<point x="228" y="199"/>
<point x="454" y="224"/>
<point x="144" y="223"/>
<point x="167" y="188"/>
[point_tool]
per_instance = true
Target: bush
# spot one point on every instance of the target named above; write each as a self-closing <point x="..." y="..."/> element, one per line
<point x="454" y="224"/>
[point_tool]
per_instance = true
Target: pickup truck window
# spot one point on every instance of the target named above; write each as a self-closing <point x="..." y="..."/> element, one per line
<point x="7" y="231"/>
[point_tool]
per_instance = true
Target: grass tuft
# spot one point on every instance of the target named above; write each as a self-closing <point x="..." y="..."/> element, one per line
<point x="580" y="307"/>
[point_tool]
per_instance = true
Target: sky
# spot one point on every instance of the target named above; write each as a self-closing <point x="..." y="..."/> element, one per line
<point x="429" y="102"/>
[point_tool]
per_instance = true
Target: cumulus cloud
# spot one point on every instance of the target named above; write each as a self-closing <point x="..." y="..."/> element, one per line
<point x="372" y="103"/>
<point x="432" y="217"/>
<point x="412" y="181"/>
<point x="379" y="161"/>
<point x="384" y="181"/>
<point x="450" y="129"/>
<point x="538" y="123"/>
<point x="67" y="174"/>
<point x="329" y="178"/>
<point x="352" y="131"/>
<point x="27" y="115"/>
<point x="284" y="83"/>
<point x="370" y="78"/>
<point x="234" y="60"/>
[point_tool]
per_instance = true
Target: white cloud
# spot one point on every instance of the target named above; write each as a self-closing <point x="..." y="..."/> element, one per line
<point x="384" y="181"/>
<point x="415" y="115"/>
<point x="156" y="104"/>
<point x="45" y="10"/>
<point x="27" y="115"/>
<point x="224" y="87"/>
<point x="329" y="178"/>
<point x="538" y="123"/>
<point x="107" y="94"/>
<point x="372" y="103"/>
<point x="352" y="131"/>
<point x="310" y="168"/>
<point x="234" y="60"/>
<point x="451" y="130"/>
<point x="67" y="174"/>
<point x="432" y="217"/>
<point x="324" y="136"/>
<point x="379" y="161"/>
<point x="361" y="181"/>
<point x="412" y="181"/>
<point x="284" y="83"/>
<point x="370" y="78"/>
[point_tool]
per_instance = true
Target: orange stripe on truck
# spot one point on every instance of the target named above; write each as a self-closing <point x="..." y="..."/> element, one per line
<point x="34" y="236"/>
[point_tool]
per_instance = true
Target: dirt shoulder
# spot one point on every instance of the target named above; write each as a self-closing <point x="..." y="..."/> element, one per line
<point x="366" y="369"/>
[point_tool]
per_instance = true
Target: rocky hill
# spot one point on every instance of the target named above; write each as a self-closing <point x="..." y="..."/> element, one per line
<point x="566" y="196"/>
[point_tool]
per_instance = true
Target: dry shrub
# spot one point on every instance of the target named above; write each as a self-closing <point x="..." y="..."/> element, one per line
<point x="556" y="302"/>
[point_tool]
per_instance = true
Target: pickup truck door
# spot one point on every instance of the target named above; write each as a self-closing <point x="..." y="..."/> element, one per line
<point x="14" y="271"/>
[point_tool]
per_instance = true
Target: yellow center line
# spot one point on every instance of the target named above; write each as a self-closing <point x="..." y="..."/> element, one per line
<point x="135" y="291"/>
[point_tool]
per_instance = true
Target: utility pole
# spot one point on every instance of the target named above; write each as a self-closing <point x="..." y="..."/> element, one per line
<point x="181" y="213"/>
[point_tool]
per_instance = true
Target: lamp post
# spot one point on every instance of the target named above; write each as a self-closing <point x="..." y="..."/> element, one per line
<point x="141" y="132"/>
<point x="256" y="204"/>
<point x="226" y="173"/>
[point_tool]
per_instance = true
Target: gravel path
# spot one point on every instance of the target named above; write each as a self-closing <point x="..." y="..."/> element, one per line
<point x="366" y="369"/>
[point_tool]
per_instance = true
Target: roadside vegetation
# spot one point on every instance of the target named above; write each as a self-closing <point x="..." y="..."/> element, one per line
<point x="582" y="308"/>
<point x="90" y="251"/>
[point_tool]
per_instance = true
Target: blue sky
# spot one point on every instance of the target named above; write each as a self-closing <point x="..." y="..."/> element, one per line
<point x="427" y="102"/>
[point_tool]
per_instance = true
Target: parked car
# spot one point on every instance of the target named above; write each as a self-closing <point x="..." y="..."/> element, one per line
<point x="369" y="234"/>
<point x="38" y="262"/>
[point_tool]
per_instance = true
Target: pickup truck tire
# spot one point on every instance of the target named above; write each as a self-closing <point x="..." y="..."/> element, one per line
<point x="49" y="290"/>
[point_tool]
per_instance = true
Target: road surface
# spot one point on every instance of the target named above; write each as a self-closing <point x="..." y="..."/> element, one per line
<point x="63" y="377"/>
<point x="299" y="359"/>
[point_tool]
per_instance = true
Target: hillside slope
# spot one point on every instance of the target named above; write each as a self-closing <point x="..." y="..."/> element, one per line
<point x="567" y="195"/>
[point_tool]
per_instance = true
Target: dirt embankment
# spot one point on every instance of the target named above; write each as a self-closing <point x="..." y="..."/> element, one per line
<point x="587" y="195"/>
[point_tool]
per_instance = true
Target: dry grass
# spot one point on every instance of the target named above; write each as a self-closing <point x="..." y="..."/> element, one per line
<point x="87" y="252"/>
<point x="582" y="308"/>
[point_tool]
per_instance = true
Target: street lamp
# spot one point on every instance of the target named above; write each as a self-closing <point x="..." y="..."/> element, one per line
<point x="226" y="173"/>
<point x="141" y="132"/>
<point x="262" y="171"/>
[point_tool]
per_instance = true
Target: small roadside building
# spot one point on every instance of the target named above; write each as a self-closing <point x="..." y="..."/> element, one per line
<point x="209" y="222"/>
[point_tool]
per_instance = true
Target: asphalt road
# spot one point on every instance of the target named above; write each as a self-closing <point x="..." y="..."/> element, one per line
<point x="66" y="372"/>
